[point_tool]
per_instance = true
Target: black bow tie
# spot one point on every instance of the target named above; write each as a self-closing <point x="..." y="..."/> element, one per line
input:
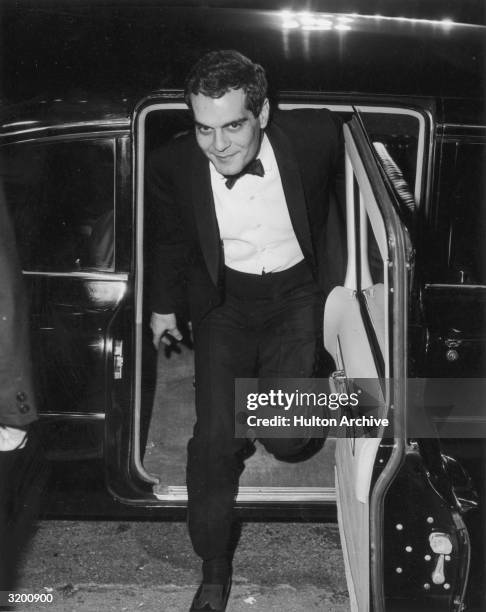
<point x="254" y="167"/>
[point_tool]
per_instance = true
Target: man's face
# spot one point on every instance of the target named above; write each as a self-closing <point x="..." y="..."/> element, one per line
<point x="227" y="132"/>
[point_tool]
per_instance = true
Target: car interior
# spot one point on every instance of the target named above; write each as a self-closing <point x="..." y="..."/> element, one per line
<point x="167" y="414"/>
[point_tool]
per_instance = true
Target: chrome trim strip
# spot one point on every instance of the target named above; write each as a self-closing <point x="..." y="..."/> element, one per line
<point x="259" y="494"/>
<point x="452" y="286"/>
<point x="108" y="276"/>
<point x="463" y="126"/>
<point x="356" y="167"/>
<point x="74" y="416"/>
<point x="427" y="180"/>
<point x="333" y="107"/>
<point x="110" y="133"/>
<point x="139" y="163"/>
<point x="80" y="124"/>
<point x="351" y="279"/>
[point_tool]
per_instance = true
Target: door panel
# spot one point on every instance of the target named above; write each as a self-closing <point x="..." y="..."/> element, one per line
<point x="362" y="335"/>
<point x="70" y="318"/>
<point x="391" y="516"/>
<point x="345" y="338"/>
<point x="61" y="194"/>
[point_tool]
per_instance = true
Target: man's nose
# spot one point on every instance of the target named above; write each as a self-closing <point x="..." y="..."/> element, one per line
<point x="221" y="140"/>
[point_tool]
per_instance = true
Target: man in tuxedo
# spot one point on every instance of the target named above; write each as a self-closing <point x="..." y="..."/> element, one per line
<point x="240" y="208"/>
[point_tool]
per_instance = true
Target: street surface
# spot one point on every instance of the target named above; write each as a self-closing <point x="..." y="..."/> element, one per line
<point x="127" y="566"/>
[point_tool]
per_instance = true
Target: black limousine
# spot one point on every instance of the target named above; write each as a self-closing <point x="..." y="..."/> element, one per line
<point x="80" y="112"/>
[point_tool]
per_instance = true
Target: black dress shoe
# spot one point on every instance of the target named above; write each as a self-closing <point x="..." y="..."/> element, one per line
<point x="211" y="597"/>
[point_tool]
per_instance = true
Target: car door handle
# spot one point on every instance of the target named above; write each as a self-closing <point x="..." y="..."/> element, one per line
<point x="338" y="381"/>
<point x="118" y="359"/>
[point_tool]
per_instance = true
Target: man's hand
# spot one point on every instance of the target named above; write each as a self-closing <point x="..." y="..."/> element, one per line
<point x="12" y="438"/>
<point x="162" y="323"/>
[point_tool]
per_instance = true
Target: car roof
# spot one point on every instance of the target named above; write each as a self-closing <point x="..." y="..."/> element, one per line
<point x="96" y="59"/>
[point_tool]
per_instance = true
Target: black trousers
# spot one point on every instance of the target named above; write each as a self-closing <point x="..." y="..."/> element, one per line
<point x="268" y="326"/>
<point x="23" y="476"/>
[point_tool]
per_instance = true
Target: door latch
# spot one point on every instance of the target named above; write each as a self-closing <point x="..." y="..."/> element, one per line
<point x="441" y="545"/>
<point x="338" y="381"/>
<point x="117" y="359"/>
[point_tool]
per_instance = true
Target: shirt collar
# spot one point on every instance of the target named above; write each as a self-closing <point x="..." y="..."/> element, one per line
<point x="266" y="155"/>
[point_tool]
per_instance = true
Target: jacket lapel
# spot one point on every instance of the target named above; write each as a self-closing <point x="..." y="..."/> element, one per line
<point x="205" y="213"/>
<point x="293" y="189"/>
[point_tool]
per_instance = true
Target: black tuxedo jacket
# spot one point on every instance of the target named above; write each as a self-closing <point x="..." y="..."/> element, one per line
<point x="185" y="255"/>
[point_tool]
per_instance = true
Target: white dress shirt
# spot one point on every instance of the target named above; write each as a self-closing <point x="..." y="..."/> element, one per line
<point x="254" y="221"/>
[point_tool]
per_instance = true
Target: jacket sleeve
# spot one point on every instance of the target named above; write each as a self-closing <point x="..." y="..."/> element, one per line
<point x="167" y="246"/>
<point x="17" y="398"/>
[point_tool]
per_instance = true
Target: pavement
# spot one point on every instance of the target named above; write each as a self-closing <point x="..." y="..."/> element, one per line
<point x="127" y="566"/>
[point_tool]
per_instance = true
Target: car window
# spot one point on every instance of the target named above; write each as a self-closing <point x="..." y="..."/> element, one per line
<point x="399" y="133"/>
<point x="161" y="126"/>
<point x="61" y="197"/>
<point x="458" y="239"/>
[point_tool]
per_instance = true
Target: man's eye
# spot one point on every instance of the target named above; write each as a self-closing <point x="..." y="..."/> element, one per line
<point x="234" y="126"/>
<point x="202" y="129"/>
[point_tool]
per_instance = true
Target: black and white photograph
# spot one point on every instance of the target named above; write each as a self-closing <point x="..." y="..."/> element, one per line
<point x="243" y="305"/>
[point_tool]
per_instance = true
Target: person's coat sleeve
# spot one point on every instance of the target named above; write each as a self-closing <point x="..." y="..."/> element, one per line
<point x="167" y="245"/>
<point x="17" y="398"/>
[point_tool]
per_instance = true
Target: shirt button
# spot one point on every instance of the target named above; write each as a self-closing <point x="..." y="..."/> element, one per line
<point x="21" y="396"/>
<point x="24" y="408"/>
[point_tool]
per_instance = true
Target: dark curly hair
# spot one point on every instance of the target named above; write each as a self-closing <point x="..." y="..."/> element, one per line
<point x="219" y="71"/>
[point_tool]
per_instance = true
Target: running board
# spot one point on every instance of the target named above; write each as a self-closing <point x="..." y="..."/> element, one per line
<point x="325" y="495"/>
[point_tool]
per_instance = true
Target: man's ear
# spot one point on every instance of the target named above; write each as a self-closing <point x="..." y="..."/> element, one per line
<point x="264" y="114"/>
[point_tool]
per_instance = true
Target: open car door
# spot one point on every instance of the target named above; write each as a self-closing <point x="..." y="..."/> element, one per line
<point x="365" y="330"/>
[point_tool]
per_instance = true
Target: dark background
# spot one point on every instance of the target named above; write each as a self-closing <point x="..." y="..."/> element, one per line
<point x="127" y="47"/>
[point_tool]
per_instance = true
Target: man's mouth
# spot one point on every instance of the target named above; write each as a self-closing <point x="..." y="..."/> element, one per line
<point x="224" y="157"/>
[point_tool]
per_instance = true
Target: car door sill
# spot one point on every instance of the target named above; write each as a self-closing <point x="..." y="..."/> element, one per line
<point x="258" y="494"/>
